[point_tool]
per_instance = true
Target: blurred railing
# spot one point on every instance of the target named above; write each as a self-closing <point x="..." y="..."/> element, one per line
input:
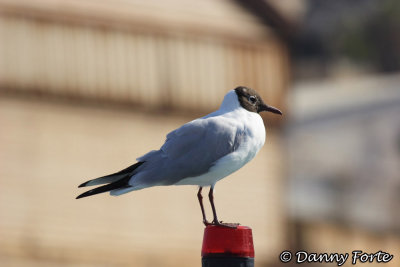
<point x="149" y="68"/>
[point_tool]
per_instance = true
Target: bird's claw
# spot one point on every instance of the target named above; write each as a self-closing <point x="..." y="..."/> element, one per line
<point x="221" y="223"/>
<point x="206" y="223"/>
<point x="229" y="225"/>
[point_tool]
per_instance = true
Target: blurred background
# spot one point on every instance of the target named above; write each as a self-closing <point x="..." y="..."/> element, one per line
<point x="86" y="86"/>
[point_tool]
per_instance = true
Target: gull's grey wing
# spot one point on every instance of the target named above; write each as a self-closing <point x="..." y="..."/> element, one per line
<point x="189" y="151"/>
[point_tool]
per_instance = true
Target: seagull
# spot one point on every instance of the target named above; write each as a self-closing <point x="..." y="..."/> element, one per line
<point x="200" y="152"/>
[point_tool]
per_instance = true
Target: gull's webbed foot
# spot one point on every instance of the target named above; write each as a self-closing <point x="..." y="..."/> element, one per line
<point x="229" y="225"/>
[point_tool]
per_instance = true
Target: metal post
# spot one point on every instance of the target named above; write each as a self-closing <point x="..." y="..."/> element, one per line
<point x="223" y="247"/>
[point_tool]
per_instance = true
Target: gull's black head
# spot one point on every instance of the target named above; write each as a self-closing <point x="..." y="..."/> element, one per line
<point x="250" y="100"/>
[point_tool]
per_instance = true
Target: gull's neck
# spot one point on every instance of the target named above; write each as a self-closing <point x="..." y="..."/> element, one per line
<point x="230" y="102"/>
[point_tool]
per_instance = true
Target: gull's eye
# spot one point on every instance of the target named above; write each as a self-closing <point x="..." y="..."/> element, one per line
<point x="252" y="99"/>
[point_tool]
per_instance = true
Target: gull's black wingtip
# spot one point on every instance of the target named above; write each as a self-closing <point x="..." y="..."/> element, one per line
<point x="82" y="195"/>
<point x="83" y="185"/>
<point x="94" y="191"/>
<point x="105" y="188"/>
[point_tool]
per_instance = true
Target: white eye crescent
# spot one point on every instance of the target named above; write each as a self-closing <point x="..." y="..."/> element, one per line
<point x="252" y="99"/>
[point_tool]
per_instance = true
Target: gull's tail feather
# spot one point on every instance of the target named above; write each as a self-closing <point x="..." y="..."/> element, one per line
<point x="112" y="177"/>
<point x="116" y="181"/>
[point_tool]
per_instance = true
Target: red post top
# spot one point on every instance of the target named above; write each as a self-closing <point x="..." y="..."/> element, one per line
<point x="223" y="241"/>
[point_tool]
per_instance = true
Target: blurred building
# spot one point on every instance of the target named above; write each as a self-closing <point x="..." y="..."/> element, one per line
<point x="343" y="190"/>
<point x="67" y="68"/>
<point x="158" y="54"/>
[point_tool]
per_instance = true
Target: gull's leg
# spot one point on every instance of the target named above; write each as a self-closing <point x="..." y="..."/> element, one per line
<point x="215" y="220"/>
<point x="200" y="197"/>
<point x="211" y="197"/>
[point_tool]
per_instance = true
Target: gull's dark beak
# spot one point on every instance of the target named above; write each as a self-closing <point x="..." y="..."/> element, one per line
<point x="265" y="107"/>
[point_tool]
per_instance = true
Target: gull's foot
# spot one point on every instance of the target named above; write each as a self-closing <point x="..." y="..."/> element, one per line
<point x="206" y="223"/>
<point x="229" y="225"/>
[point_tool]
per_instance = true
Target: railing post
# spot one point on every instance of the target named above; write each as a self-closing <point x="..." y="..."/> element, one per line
<point x="223" y="246"/>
